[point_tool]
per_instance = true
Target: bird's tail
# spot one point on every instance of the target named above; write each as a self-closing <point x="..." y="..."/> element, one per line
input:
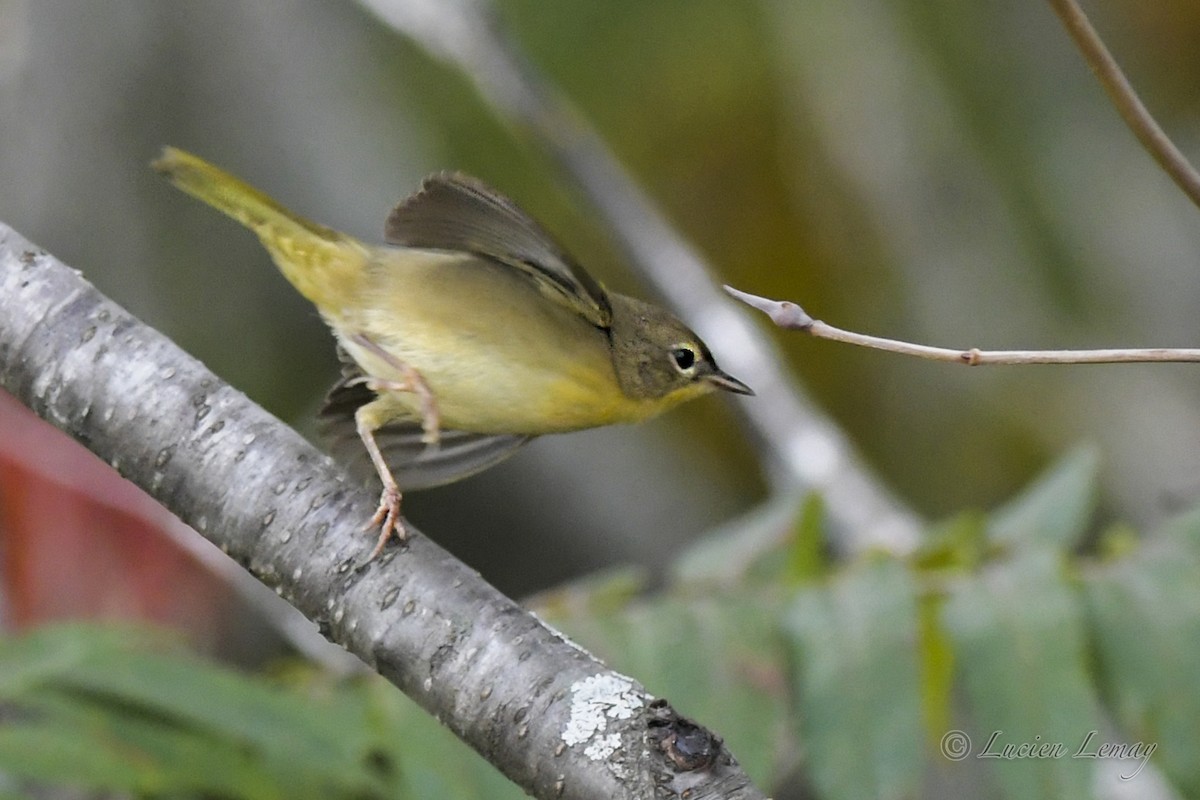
<point x="323" y="264"/>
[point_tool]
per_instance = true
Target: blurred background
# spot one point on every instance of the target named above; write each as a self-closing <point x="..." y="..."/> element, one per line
<point x="936" y="171"/>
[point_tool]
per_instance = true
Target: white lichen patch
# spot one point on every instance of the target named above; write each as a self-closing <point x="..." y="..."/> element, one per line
<point x="603" y="747"/>
<point x="595" y="701"/>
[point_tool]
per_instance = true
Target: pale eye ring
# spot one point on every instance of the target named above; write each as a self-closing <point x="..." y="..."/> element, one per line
<point x="684" y="359"/>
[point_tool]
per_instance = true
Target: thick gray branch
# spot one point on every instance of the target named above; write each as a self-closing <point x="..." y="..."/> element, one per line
<point x="550" y="716"/>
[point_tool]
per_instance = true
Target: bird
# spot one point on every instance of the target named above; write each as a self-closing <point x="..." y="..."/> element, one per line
<point x="468" y="333"/>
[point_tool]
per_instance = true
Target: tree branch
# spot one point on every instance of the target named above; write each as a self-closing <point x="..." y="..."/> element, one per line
<point x="790" y="316"/>
<point x="801" y="446"/>
<point x="544" y="711"/>
<point x="1123" y="96"/>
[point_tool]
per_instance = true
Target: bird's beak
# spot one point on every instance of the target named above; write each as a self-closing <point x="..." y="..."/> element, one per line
<point x="728" y="383"/>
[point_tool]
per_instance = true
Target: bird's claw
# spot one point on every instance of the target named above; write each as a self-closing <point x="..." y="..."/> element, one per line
<point x="387" y="519"/>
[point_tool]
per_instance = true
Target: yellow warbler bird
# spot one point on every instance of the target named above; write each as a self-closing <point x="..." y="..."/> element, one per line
<point x="468" y="334"/>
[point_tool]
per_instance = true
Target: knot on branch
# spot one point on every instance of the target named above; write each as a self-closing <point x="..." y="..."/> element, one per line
<point x="690" y="755"/>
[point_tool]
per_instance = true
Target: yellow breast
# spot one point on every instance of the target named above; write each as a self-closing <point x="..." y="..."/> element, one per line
<point x="499" y="356"/>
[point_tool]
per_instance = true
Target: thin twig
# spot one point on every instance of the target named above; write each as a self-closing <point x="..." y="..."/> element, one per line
<point x="1128" y="104"/>
<point x="788" y="315"/>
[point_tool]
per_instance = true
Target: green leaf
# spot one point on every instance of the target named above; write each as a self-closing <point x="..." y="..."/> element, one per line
<point x="1018" y="638"/>
<point x="61" y="751"/>
<point x="937" y="667"/>
<point x="855" y="646"/>
<point x="806" y="555"/>
<point x="108" y="709"/>
<point x="959" y="543"/>
<point x="607" y="591"/>
<point x="67" y="742"/>
<point x="1056" y="509"/>
<point x="727" y="554"/>
<point x="47" y="653"/>
<point x="1145" y="618"/>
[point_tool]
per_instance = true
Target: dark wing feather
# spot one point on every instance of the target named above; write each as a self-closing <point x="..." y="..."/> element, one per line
<point x="414" y="464"/>
<point x="456" y="212"/>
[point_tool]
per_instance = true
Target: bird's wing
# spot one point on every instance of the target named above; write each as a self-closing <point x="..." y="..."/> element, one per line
<point x="453" y="211"/>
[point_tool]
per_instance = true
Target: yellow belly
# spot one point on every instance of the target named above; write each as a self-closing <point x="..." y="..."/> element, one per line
<point x="499" y="356"/>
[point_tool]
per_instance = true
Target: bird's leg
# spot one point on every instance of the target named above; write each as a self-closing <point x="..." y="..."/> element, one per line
<point x="387" y="516"/>
<point x="373" y="416"/>
<point x="411" y="381"/>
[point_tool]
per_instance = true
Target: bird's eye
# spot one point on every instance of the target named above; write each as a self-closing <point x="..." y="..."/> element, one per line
<point x="684" y="358"/>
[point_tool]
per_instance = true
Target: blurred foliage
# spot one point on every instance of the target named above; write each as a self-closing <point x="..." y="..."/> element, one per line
<point x="852" y="681"/>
